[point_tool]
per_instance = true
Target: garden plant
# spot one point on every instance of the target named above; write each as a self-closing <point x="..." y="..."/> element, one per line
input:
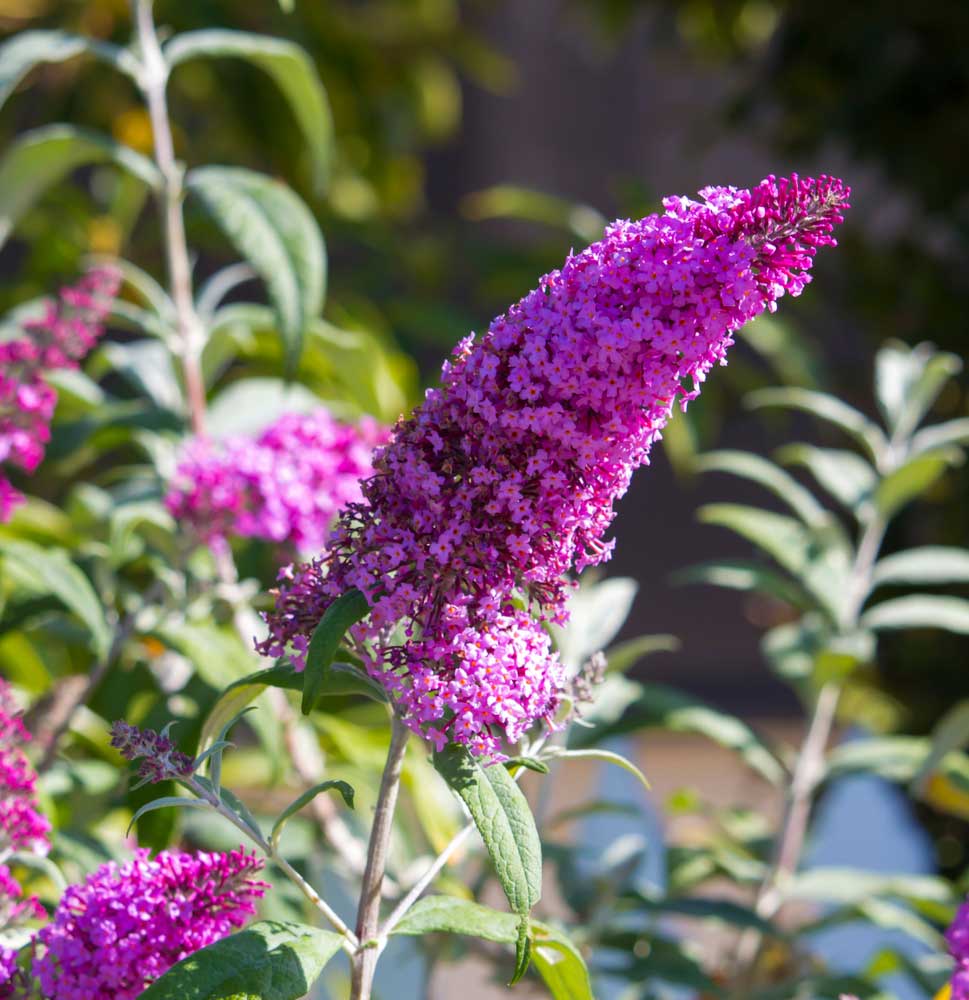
<point x="349" y="642"/>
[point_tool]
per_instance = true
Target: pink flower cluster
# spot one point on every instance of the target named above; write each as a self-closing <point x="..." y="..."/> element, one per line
<point x="286" y="485"/>
<point x="958" y="939"/>
<point x="22" y="827"/>
<point x="504" y="479"/>
<point x="128" y="924"/>
<point x="160" y="759"/>
<point x="66" y="332"/>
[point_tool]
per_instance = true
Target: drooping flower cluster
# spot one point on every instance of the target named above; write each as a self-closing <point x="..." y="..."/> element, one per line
<point x="22" y="826"/>
<point x="127" y="924"/>
<point x="286" y="485"/>
<point x="504" y="479"/>
<point x="957" y="937"/>
<point x="69" y="328"/>
<point x="160" y="759"/>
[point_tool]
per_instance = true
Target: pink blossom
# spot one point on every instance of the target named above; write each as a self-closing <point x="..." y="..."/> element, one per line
<point x="284" y="486"/>
<point x="127" y="924"/>
<point x="22" y="827"/>
<point x="505" y="478"/>
<point x="66" y="332"/>
<point x="958" y="938"/>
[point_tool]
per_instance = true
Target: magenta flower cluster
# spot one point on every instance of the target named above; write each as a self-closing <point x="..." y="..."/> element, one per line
<point x="160" y="760"/>
<point x="284" y="486"/>
<point x="69" y="328"/>
<point x="958" y="938"/>
<point x="128" y="924"/>
<point x="22" y="826"/>
<point x="505" y="478"/>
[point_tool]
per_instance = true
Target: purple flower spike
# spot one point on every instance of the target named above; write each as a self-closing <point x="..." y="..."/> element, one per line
<point x="505" y="478"/>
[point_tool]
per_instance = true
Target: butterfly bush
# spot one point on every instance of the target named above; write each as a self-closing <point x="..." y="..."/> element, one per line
<point x="505" y="477"/>
<point x="284" y="486"/>
<point x="22" y="826"/>
<point x="127" y="924"/>
<point x="957" y="937"/>
<point x="68" y="329"/>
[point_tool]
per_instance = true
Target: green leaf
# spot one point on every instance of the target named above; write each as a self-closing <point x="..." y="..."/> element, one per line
<point x="345" y="611"/>
<point x="770" y="476"/>
<point x="950" y="733"/>
<point x="849" y="885"/>
<point x="658" y="706"/>
<point x="825" y="407"/>
<point x="597" y="611"/>
<point x="274" y="230"/>
<point x="507" y="827"/>
<point x="927" y="564"/>
<point x="51" y="572"/>
<point x="952" y="432"/>
<point x="341" y="679"/>
<point x="909" y="481"/>
<point x="269" y="960"/>
<point x="27" y="49"/>
<point x="41" y="157"/>
<point x="920" y="611"/>
<point x="907" y="382"/>
<point x="845" y="475"/>
<point x="594" y="753"/>
<point x="291" y="69"/>
<point x="818" y="558"/>
<point x="741" y="574"/>
<point x="305" y="799"/>
<point x="529" y="763"/>
<point x="560" y="964"/>
<point x="894" y="758"/>
<point x="167" y="802"/>
<point x="623" y="655"/>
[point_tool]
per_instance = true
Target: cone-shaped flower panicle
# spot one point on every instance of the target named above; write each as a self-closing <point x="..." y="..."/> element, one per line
<point x="160" y="759"/>
<point x="958" y="938"/>
<point x="285" y="486"/>
<point x="22" y="827"/>
<point x="68" y="329"/>
<point x="128" y="924"/>
<point x="505" y="477"/>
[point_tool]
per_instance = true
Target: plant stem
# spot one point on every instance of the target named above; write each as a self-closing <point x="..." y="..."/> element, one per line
<point x="153" y="80"/>
<point x="365" y="960"/>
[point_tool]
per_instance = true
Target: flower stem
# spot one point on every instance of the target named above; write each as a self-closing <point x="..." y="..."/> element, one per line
<point x="153" y="80"/>
<point x="368" y="916"/>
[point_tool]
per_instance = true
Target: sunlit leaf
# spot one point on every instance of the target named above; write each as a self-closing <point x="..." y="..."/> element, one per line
<point x="908" y="380"/>
<point x="919" y="611"/>
<point x="910" y="481"/>
<point x="597" y="611"/>
<point x="927" y="564"/>
<point x="740" y="574"/>
<point x="345" y="611"/>
<point x="845" y="475"/>
<point x="305" y="799"/>
<point x="952" y="432"/>
<point x="606" y="756"/>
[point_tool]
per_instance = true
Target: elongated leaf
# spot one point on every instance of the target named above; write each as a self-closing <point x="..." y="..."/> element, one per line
<point x="507" y="827"/>
<point x="608" y="757"/>
<point x="894" y="758"/>
<point x="772" y="477"/>
<point x="828" y="408"/>
<point x="658" y="706"/>
<point x="624" y="655"/>
<point x="849" y="885"/>
<point x="27" y="49"/>
<point x="818" y="558"/>
<point x="561" y="965"/>
<point x="269" y="960"/>
<point x="952" y="432"/>
<point x="341" y="679"/>
<point x="43" y="156"/>
<point x="740" y="574"/>
<point x="50" y="571"/>
<point x="950" y="733"/>
<point x="909" y="481"/>
<point x="345" y="611"/>
<point x="167" y="802"/>
<point x="919" y="611"/>
<point x="290" y="68"/>
<point x="926" y="564"/>
<point x="845" y="475"/>
<point x="597" y="612"/>
<point x="305" y="799"/>
<point x="271" y="227"/>
<point x="908" y="380"/>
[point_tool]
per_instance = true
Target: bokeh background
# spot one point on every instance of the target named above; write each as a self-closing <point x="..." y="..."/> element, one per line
<point x="478" y="141"/>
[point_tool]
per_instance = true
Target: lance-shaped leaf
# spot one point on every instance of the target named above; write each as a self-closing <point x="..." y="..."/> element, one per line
<point x="51" y="572"/>
<point x="741" y="574"/>
<point x="845" y="475"/>
<point x="908" y="380"/>
<point x="951" y="733"/>
<point x="507" y="827"/>
<point x="607" y="757"/>
<point x="27" y="49"/>
<point x="952" y="432"/>
<point x="43" y="156"/>
<point x="269" y="960"/>
<point x="272" y="228"/>
<point x="930" y="564"/>
<point x="292" y="71"/>
<point x="828" y="408"/>
<point x="919" y="611"/>
<point x="345" y="611"/>
<point x="772" y="477"/>
<point x="624" y="655"/>
<point x="910" y="480"/>
<point x="304" y="800"/>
